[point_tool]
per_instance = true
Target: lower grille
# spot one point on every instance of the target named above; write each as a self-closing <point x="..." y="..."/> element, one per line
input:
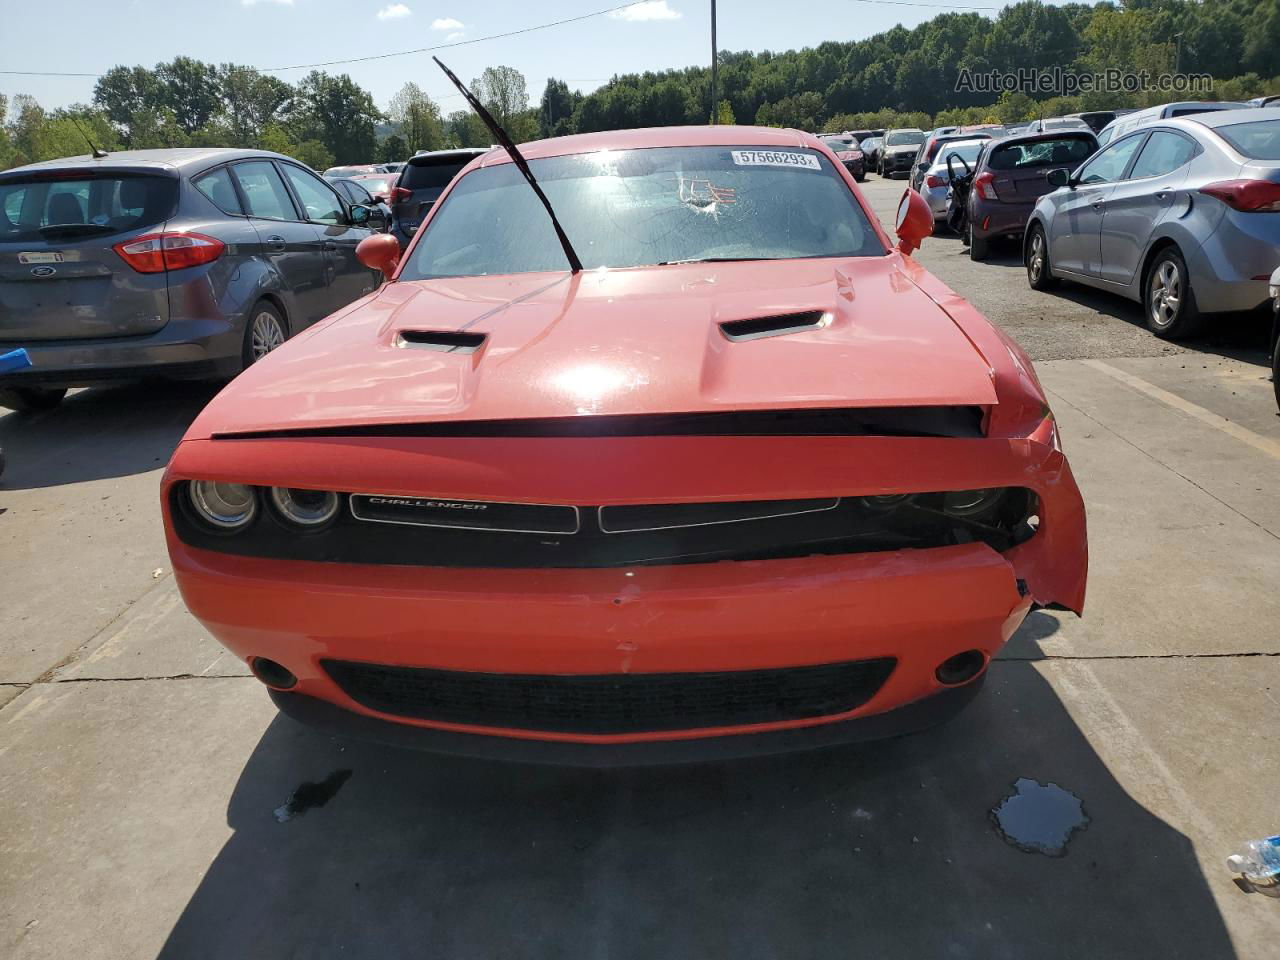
<point x="612" y="703"/>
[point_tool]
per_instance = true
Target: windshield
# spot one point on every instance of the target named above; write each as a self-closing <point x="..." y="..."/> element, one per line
<point x="376" y="184"/>
<point x="69" y="202"/>
<point x="630" y="208"/>
<point x="904" y="138"/>
<point x="1259" y="139"/>
<point x="1060" y="152"/>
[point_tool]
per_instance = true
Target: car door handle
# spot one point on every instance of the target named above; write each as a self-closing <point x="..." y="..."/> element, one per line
<point x="1097" y="202"/>
<point x="1162" y="194"/>
<point x="276" y="243"/>
<point x="329" y="245"/>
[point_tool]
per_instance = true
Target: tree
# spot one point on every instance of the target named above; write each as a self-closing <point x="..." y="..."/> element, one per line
<point x="393" y="149"/>
<point x="123" y="92"/>
<point x="191" y="90"/>
<point x="419" y="118"/>
<point x="502" y="91"/>
<point x="464" y="129"/>
<point x="311" y="152"/>
<point x="799" y="112"/>
<point x="339" y="114"/>
<point x="555" y="109"/>
<point x="724" y="114"/>
<point x="251" y="101"/>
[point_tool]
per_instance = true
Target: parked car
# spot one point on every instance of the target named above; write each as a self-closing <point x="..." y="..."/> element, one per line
<point x="180" y="263"/>
<point x="357" y="190"/>
<point x="394" y="167"/>
<point x="421" y="182"/>
<point x="1182" y="216"/>
<point x="1012" y="174"/>
<point x="936" y="182"/>
<point x="467" y="534"/>
<point x="848" y="153"/>
<point x="929" y="151"/>
<point x="1274" y="290"/>
<point x="1128" y="121"/>
<point x="871" y="148"/>
<point x="353" y="170"/>
<point x="1056" y="123"/>
<point x="1096" y="120"/>
<point x="899" y="151"/>
<point x="1268" y="101"/>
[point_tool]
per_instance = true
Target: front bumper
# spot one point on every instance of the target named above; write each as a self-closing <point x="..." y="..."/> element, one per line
<point x="899" y="162"/>
<point x="919" y="607"/>
<point x="182" y="349"/>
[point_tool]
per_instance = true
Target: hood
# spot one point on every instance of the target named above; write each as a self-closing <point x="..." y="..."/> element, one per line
<point x="634" y="341"/>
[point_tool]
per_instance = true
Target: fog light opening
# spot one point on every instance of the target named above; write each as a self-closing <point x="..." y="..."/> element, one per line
<point x="272" y="673"/>
<point x="961" y="668"/>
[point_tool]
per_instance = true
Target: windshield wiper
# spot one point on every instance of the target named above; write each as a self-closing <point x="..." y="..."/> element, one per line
<point x="669" y="263"/>
<point x="575" y="265"/>
<point x="83" y="229"/>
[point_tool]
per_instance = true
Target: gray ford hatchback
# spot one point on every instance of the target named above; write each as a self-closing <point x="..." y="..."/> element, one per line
<point x="171" y="263"/>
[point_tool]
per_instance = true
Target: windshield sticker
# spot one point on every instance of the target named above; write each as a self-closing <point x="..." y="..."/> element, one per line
<point x="775" y="158"/>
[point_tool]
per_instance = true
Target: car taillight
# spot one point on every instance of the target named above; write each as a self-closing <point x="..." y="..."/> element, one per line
<point x="1249" y="196"/>
<point x="933" y="180"/>
<point x="985" y="184"/>
<point x="158" y="252"/>
<point x="400" y="194"/>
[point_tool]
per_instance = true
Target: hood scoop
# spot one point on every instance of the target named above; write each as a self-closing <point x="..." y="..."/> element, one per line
<point x="445" y="341"/>
<point x="756" y="328"/>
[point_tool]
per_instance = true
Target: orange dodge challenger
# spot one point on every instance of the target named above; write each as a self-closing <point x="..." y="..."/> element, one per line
<point x="688" y="461"/>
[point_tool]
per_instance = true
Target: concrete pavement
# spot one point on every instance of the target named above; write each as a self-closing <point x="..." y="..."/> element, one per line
<point x="140" y="767"/>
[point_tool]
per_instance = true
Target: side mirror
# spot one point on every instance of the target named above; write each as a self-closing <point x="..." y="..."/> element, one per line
<point x="379" y="252"/>
<point x="359" y="214"/>
<point x="914" y="222"/>
<point x="922" y="168"/>
<point x="1058" y="177"/>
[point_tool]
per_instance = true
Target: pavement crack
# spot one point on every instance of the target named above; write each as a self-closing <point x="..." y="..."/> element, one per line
<point x="1143" y="656"/>
<point x="171" y="676"/>
<point x="1155" y="459"/>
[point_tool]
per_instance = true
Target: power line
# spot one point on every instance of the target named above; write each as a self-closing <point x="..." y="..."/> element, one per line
<point x="492" y="36"/>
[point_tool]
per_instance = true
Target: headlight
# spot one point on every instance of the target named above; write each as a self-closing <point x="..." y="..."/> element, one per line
<point x="226" y="506"/>
<point x="306" y="508"/>
<point x="971" y="503"/>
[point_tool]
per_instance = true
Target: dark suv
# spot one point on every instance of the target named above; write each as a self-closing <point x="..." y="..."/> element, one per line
<point x="421" y="182"/>
<point x="179" y="263"/>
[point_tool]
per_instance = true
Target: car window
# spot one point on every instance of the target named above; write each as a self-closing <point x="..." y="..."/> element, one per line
<point x="357" y="193"/>
<point x="1065" y="151"/>
<point x="1108" y="166"/>
<point x="264" y="191"/>
<point x="1164" y="153"/>
<point x="628" y="208"/>
<point x="318" y="199"/>
<point x="966" y="150"/>
<point x="217" y="186"/>
<point x="95" y="204"/>
<point x="1259" y="139"/>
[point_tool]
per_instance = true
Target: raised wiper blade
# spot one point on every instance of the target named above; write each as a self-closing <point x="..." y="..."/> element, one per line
<point x="81" y="228"/>
<point x="668" y="263"/>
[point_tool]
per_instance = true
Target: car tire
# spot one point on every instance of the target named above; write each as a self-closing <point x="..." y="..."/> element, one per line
<point x="1168" y="301"/>
<point x="860" y="177"/>
<point x="31" y="399"/>
<point x="264" y="330"/>
<point x="1035" y="258"/>
<point x="979" y="247"/>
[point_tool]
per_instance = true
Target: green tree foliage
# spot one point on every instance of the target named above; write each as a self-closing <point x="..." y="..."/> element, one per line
<point x="338" y="113"/>
<point x="419" y="119"/>
<point x="555" y="110"/>
<point x="394" y="148"/>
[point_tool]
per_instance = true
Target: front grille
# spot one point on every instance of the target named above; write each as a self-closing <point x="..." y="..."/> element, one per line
<point x="612" y="703"/>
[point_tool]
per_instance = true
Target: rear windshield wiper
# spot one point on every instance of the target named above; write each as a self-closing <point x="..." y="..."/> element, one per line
<point x="668" y="263"/>
<point x="81" y="229"/>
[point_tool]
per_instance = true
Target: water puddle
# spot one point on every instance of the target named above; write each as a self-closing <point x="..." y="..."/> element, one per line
<point x="310" y="795"/>
<point x="1039" y="817"/>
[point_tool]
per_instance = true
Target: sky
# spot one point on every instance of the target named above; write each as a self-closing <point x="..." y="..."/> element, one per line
<point x="653" y="35"/>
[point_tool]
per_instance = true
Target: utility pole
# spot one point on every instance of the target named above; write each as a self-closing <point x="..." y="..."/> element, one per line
<point x="1177" y="54"/>
<point x="715" y="103"/>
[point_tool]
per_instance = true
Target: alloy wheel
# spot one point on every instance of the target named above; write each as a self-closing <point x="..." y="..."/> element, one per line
<point x="267" y="334"/>
<point x="1035" y="261"/>
<point x="1165" y="296"/>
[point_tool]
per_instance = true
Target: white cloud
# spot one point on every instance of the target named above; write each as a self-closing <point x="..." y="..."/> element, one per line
<point x="454" y="36"/>
<point x="394" y="11"/>
<point x="649" y="10"/>
<point x="446" y="23"/>
<point x="254" y="3"/>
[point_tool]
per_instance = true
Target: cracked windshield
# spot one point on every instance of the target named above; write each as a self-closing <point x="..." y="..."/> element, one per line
<point x="627" y="208"/>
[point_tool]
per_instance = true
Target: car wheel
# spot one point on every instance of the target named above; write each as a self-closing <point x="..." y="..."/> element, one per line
<point x="1171" y="305"/>
<point x="860" y="177"/>
<point x="265" y="331"/>
<point x="31" y="399"/>
<point x="1039" y="276"/>
<point x="978" y="246"/>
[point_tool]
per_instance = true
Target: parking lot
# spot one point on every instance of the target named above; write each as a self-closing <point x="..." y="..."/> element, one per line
<point x="153" y="804"/>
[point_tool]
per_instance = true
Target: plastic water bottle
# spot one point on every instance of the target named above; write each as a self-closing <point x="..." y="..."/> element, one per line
<point x="1257" y="859"/>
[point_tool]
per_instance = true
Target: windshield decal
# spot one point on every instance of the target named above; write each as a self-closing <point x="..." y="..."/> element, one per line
<point x="775" y="158"/>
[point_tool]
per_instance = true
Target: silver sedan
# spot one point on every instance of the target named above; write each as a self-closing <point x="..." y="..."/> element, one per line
<point x="935" y="185"/>
<point x="1182" y="216"/>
